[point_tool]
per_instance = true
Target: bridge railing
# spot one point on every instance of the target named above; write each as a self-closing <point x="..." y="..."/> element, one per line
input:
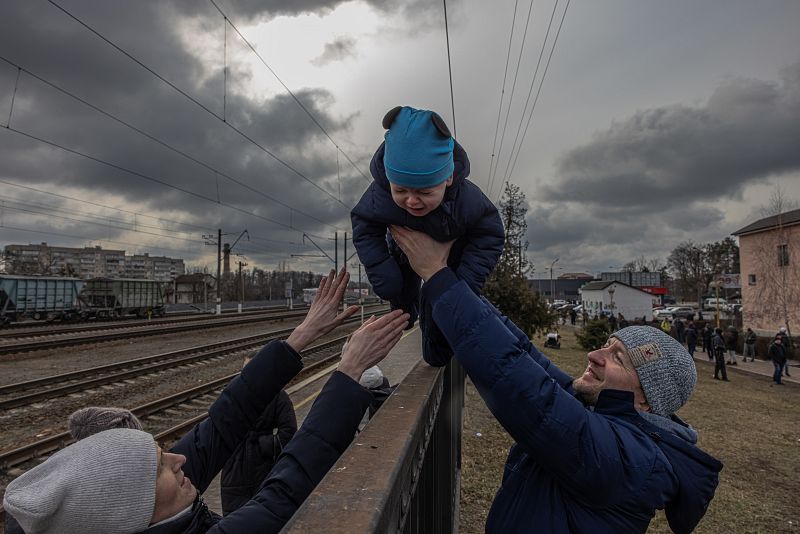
<point x="402" y="472"/>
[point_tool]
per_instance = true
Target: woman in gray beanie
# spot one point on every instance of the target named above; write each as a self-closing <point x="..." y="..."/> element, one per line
<point x="121" y="481"/>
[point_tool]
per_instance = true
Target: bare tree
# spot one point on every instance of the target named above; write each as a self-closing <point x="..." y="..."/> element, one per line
<point x="776" y="255"/>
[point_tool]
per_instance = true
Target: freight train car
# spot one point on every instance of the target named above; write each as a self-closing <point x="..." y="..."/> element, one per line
<point x="113" y="297"/>
<point x="39" y="297"/>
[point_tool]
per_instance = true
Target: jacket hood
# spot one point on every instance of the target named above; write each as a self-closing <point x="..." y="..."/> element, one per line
<point x="697" y="472"/>
<point x="460" y="160"/>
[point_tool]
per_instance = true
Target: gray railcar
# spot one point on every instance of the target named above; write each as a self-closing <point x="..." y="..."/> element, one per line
<point x="39" y="297"/>
<point x="112" y="297"/>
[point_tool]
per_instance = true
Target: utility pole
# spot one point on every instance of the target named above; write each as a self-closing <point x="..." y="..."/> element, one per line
<point x="241" y="283"/>
<point x="218" y="310"/>
<point x="552" y="286"/>
<point x="336" y="251"/>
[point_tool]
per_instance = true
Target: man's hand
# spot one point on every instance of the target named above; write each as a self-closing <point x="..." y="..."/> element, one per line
<point x="426" y="255"/>
<point x="323" y="315"/>
<point x="372" y="342"/>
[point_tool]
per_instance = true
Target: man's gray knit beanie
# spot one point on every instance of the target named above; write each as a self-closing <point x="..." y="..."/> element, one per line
<point x="103" y="484"/>
<point x="665" y="368"/>
<point x="93" y="419"/>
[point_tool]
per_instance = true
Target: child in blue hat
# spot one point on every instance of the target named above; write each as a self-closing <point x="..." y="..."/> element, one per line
<point x="420" y="181"/>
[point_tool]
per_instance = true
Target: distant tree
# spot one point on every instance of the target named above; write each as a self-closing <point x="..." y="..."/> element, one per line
<point x="594" y="334"/>
<point x="507" y="287"/>
<point x="688" y="266"/>
<point x="645" y="265"/>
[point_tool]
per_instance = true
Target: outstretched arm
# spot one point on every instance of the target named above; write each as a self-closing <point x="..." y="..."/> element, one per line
<point x="325" y="434"/>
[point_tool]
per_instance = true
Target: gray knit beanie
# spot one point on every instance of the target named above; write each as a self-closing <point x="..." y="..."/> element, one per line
<point x="103" y="484"/>
<point x="93" y="419"/>
<point x="665" y="368"/>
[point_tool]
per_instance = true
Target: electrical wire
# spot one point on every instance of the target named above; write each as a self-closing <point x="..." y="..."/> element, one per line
<point x="530" y="91"/>
<point x="299" y="103"/>
<point x="450" y="69"/>
<point x="513" y="88"/>
<point x="547" y="66"/>
<point x="150" y="178"/>
<point x="197" y="103"/>
<point x="159" y="141"/>
<point x="502" y="95"/>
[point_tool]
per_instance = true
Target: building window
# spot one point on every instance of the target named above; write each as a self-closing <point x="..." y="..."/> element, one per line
<point x="783" y="255"/>
<point x="751" y="279"/>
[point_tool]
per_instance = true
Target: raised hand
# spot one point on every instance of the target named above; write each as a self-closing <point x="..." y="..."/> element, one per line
<point x="323" y="316"/>
<point x="372" y="342"/>
<point x="426" y="255"/>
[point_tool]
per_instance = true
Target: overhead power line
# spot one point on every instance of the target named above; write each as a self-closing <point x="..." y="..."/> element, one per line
<point x="530" y="91"/>
<point x="159" y="141"/>
<point x="149" y="178"/>
<point x="502" y="96"/>
<point x="513" y="88"/>
<point x="539" y="90"/>
<point x="197" y="103"/>
<point x="299" y="103"/>
<point x="449" y="68"/>
<point x="84" y="201"/>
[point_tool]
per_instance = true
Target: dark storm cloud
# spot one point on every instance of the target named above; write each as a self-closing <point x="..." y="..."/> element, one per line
<point x="337" y="50"/>
<point x="44" y="40"/>
<point x="747" y="131"/>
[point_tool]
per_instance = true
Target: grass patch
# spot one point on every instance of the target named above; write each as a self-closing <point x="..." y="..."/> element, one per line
<point x="752" y="427"/>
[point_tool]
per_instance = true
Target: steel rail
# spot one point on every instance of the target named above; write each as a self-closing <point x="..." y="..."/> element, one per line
<point x="22" y="331"/>
<point x="13" y="348"/>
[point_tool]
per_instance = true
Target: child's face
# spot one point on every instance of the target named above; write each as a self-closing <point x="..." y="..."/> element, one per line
<point x="419" y="202"/>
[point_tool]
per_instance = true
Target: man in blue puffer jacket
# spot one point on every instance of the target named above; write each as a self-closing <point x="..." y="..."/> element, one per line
<point x="420" y="181"/>
<point x="597" y="454"/>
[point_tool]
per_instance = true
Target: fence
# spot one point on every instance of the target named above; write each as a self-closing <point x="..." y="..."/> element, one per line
<point x="402" y="473"/>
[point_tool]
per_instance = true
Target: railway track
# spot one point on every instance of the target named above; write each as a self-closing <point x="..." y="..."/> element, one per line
<point x="23" y="330"/>
<point x="170" y="407"/>
<point x="77" y="381"/>
<point x="57" y="340"/>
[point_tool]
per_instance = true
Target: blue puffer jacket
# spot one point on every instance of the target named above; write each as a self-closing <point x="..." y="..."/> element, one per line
<point x="465" y="214"/>
<point x="326" y="432"/>
<point x="573" y="469"/>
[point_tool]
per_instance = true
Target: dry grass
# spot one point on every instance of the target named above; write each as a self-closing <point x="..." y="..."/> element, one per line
<point x="753" y="428"/>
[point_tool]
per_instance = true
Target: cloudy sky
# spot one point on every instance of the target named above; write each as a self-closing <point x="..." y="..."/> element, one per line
<point x="144" y="125"/>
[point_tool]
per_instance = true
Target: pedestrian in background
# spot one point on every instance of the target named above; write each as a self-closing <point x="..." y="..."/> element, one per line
<point x="719" y="355"/>
<point x="612" y="322"/>
<point x="708" y="347"/>
<point x="777" y="353"/>
<point x="731" y="339"/>
<point x="786" y="342"/>
<point x="680" y="330"/>
<point x="573" y="316"/>
<point x="750" y="345"/>
<point x="691" y="338"/>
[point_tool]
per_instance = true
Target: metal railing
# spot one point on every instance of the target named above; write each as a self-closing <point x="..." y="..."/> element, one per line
<point x="402" y="473"/>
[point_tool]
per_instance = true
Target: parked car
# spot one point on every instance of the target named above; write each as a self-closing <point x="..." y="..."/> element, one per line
<point x="684" y="312"/>
<point x="578" y="309"/>
<point x="711" y="303"/>
<point x="663" y="313"/>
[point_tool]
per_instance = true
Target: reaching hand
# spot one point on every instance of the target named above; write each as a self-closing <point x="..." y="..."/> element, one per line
<point x="372" y="342"/>
<point x="323" y="316"/>
<point x="426" y="255"/>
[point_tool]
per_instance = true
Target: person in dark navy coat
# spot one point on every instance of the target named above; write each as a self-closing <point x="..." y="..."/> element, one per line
<point x="121" y="481"/>
<point x="420" y="181"/>
<point x="600" y="453"/>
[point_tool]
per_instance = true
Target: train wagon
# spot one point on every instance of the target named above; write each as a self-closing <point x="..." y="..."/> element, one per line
<point x="39" y="297"/>
<point x="117" y="297"/>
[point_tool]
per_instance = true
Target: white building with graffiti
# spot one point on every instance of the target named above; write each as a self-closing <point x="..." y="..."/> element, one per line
<point x="605" y="297"/>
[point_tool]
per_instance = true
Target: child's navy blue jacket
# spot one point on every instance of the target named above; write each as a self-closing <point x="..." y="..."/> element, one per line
<point x="465" y="214"/>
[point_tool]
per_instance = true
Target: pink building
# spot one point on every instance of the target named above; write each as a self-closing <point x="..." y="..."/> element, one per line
<point x="769" y="255"/>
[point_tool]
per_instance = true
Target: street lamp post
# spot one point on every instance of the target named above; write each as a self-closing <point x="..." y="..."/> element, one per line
<point x="552" y="285"/>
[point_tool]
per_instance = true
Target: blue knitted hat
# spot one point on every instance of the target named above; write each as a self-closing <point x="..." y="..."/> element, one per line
<point x="418" y="152"/>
